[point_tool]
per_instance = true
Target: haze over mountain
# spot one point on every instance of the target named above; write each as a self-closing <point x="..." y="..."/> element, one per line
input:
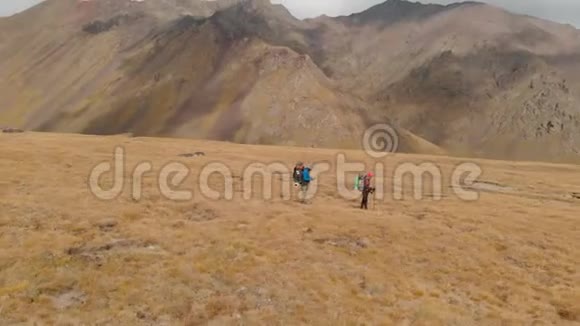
<point x="562" y="11"/>
<point x="464" y="78"/>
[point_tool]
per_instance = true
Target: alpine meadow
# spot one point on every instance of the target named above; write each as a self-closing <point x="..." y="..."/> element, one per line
<point x="197" y="162"/>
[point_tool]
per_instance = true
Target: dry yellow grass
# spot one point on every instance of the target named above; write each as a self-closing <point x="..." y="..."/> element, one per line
<point x="67" y="258"/>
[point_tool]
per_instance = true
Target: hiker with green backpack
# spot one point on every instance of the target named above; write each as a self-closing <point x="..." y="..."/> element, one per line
<point x="363" y="184"/>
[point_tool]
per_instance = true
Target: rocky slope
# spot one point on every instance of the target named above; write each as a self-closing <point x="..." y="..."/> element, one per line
<point x="468" y="78"/>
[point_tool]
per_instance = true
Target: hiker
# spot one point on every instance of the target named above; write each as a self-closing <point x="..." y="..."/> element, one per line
<point x="366" y="190"/>
<point x="306" y="178"/>
<point x="305" y="182"/>
<point x="297" y="175"/>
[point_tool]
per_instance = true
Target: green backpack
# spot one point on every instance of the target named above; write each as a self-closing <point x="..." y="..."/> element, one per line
<point x="359" y="182"/>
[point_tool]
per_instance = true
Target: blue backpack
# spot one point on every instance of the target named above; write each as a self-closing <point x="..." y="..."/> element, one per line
<point x="306" y="175"/>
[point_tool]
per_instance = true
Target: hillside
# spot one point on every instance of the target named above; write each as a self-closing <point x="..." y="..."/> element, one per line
<point x="67" y="257"/>
<point x="196" y="76"/>
<point x="466" y="78"/>
<point x="471" y="78"/>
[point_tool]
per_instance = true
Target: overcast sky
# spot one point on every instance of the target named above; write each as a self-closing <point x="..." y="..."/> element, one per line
<point x="565" y="11"/>
<point x="8" y="7"/>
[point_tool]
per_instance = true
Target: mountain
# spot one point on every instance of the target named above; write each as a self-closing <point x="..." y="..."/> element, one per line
<point x="471" y="78"/>
<point x="467" y="78"/>
<point x="222" y="75"/>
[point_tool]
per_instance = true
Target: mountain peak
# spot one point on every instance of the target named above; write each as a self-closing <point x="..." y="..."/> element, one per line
<point x="248" y="13"/>
<point x="264" y="7"/>
<point x="393" y="11"/>
<point x="256" y="3"/>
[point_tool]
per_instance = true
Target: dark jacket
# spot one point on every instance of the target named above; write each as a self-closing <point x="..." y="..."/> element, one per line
<point x="366" y="182"/>
<point x="297" y="174"/>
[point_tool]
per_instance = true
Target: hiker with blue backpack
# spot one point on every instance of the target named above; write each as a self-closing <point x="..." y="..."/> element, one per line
<point x="297" y="175"/>
<point x="306" y="178"/>
<point x="302" y="178"/>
